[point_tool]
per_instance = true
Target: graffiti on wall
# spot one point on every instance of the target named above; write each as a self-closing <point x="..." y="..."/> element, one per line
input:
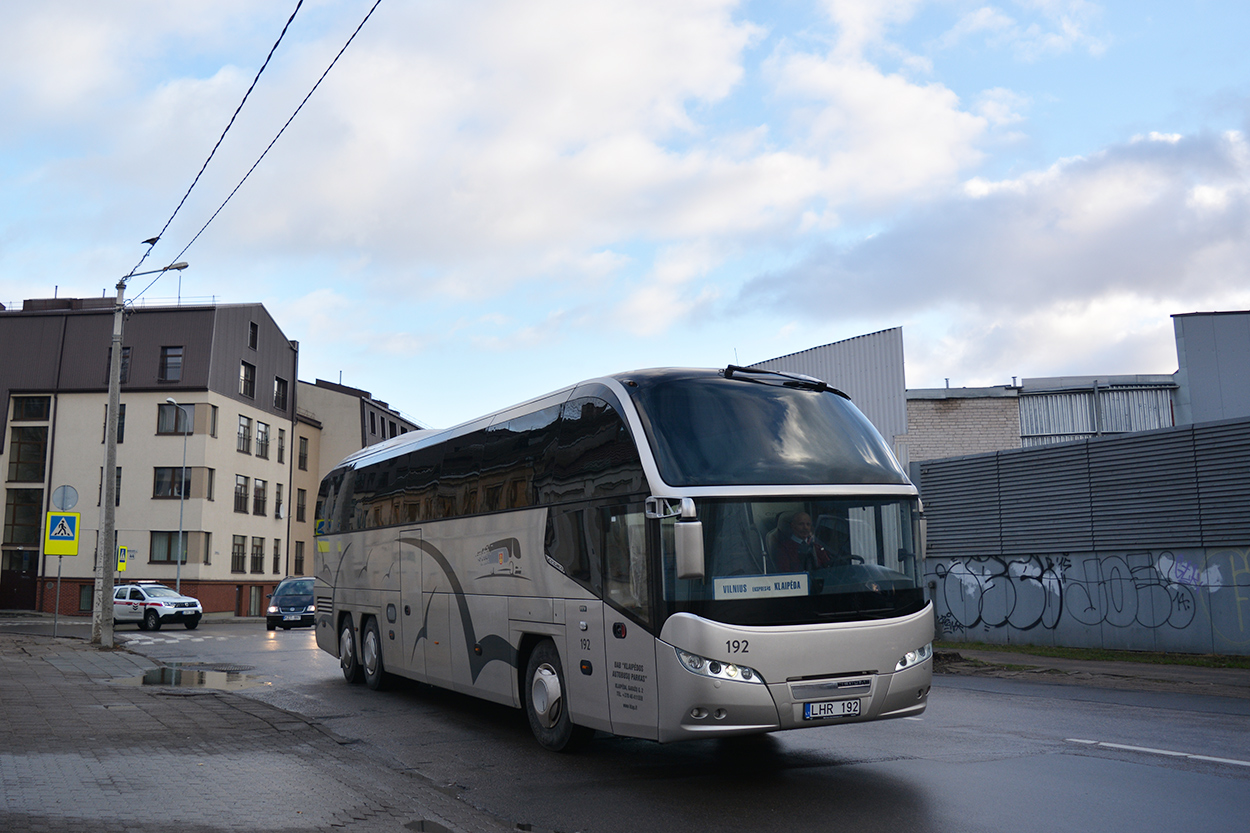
<point x="1133" y="590"/>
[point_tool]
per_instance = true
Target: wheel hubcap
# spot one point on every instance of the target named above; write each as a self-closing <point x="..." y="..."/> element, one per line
<point x="370" y="653"/>
<point x="545" y="695"/>
<point x="346" y="649"/>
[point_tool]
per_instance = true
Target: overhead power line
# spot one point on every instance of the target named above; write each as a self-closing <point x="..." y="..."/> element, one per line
<point x="275" y="138"/>
<point x="152" y="241"/>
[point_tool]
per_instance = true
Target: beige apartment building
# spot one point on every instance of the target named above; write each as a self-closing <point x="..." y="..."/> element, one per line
<point x="216" y="383"/>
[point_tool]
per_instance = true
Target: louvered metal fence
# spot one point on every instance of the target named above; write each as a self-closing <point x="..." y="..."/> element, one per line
<point x="1137" y="541"/>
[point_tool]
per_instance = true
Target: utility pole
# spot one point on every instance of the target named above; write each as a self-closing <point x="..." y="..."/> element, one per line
<point x="106" y="547"/>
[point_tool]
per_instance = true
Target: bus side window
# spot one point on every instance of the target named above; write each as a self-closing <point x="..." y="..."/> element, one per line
<point x="627" y="582"/>
<point x="566" y="545"/>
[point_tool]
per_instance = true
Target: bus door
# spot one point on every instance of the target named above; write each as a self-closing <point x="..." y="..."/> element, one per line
<point x="629" y="647"/>
<point x="586" y="672"/>
<point x="410" y="609"/>
<point x="433" y="616"/>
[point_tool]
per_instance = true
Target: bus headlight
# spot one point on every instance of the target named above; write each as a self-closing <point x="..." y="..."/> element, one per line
<point x="912" y="657"/>
<point x="717" y="670"/>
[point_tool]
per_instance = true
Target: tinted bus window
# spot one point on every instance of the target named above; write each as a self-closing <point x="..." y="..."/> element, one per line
<point x="709" y="431"/>
<point x="597" y="456"/>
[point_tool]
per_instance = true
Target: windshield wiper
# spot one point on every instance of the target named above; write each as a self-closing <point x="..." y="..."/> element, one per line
<point x="792" y="380"/>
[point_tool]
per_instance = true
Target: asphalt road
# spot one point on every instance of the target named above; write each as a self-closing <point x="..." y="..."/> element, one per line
<point x="989" y="754"/>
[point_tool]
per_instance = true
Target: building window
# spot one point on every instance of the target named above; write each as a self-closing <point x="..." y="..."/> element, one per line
<point x="247" y="380"/>
<point x="281" y="445"/>
<point x="23" y="516"/>
<point x="258" y="496"/>
<point x="31" y="408"/>
<point x="262" y="440"/>
<point x="301" y="499"/>
<point x="121" y="423"/>
<point x="277" y="500"/>
<point x="373" y="423"/>
<point x="299" y="558"/>
<point x="212" y="420"/>
<point x="279" y="394"/>
<point x="238" y="554"/>
<point x="277" y="556"/>
<point x="165" y="544"/>
<point x="171" y="365"/>
<point x="173" y="419"/>
<point x="209" y="476"/>
<point x="171" y="482"/>
<point x="245" y="435"/>
<point x="86" y="597"/>
<point x="28" y="447"/>
<point x="303" y="454"/>
<point x="117" y="490"/>
<point x="258" y="555"/>
<point x="240" y="493"/>
<point x="125" y="372"/>
<point x="253" y="335"/>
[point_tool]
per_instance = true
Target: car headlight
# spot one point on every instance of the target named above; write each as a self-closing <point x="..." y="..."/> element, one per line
<point x="273" y="609"/>
<point x="312" y="608"/>
<point x="717" y="670"/>
<point x="912" y="657"/>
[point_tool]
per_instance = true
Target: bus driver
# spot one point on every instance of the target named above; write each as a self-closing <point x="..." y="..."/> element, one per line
<point x="800" y="551"/>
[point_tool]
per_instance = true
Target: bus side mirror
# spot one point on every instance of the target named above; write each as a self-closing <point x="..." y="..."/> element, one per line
<point x="687" y="532"/>
<point x="689" y="543"/>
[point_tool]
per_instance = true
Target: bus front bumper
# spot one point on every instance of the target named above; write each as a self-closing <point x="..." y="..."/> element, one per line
<point x="699" y="706"/>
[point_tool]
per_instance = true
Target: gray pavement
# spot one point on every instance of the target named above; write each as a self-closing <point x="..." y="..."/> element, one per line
<point x="84" y="747"/>
<point x="80" y="750"/>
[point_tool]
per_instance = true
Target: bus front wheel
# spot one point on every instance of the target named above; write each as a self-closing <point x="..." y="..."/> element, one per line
<point x="545" y="702"/>
<point x="347" y="652"/>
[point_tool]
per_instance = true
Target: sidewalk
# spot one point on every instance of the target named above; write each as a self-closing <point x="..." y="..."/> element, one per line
<point x="82" y="751"/>
<point x="1138" y="676"/>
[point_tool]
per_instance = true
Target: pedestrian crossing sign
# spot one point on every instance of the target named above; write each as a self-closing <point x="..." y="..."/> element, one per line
<point x="61" y="537"/>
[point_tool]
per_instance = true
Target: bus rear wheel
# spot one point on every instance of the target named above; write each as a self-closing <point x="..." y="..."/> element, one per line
<point x="545" y="702"/>
<point x="371" y="655"/>
<point x="347" y="652"/>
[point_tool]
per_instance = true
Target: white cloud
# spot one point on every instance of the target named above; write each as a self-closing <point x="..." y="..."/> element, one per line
<point x="1000" y="106"/>
<point x="1056" y="257"/>
<point x="879" y="136"/>
<point x="1032" y="30"/>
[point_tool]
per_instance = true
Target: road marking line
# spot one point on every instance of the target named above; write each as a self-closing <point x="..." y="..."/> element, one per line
<point x="1165" y="752"/>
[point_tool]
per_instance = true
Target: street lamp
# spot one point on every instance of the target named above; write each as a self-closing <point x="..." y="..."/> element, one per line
<point x="182" y="487"/>
<point x="106" y="548"/>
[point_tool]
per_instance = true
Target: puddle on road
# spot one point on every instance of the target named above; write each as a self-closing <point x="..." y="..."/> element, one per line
<point x="182" y="677"/>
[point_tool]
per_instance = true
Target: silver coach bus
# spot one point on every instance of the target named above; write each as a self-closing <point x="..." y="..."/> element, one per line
<point x="663" y="554"/>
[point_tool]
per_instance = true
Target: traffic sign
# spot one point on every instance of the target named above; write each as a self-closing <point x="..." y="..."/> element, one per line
<point x="61" y="536"/>
<point x="122" y="554"/>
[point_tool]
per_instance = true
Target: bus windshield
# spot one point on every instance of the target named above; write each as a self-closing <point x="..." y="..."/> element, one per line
<point x="708" y="430"/>
<point x="800" y="561"/>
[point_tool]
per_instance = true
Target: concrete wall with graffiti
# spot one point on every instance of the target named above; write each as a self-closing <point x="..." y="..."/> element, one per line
<point x="1138" y="543"/>
<point x="1190" y="601"/>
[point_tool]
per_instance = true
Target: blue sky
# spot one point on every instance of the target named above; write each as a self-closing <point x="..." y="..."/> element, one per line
<point x="488" y="200"/>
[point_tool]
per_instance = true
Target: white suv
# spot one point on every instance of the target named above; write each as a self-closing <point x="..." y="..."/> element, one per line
<point x="152" y="605"/>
